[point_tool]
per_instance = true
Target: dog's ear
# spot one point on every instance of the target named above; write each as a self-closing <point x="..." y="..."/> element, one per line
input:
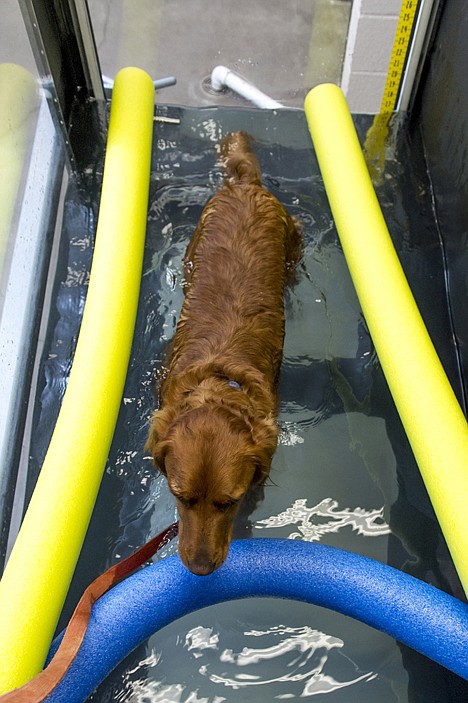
<point x="157" y="442"/>
<point x="265" y="437"/>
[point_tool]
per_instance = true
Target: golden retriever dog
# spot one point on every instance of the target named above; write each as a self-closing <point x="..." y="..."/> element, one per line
<point x="215" y="431"/>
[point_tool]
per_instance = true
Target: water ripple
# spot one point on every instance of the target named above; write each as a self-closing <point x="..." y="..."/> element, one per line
<point x="302" y="655"/>
<point x="304" y="652"/>
<point x="369" y="523"/>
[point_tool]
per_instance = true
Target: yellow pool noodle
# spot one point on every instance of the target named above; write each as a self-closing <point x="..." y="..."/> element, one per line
<point x="18" y="114"/>
<point x="41" y="565"/>
<point x="433" y="420"/>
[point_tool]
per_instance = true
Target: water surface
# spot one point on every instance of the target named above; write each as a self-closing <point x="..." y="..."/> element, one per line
<point x="343" y="473"/>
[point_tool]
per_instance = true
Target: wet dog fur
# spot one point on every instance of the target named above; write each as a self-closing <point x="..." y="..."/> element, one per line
<point x="215" y="431"/>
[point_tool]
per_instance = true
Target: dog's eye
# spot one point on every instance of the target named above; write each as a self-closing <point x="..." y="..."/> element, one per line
<point x="186" y="502"/>
<point x="224" y="505"/>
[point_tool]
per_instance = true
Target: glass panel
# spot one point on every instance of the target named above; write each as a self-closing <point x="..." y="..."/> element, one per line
<point x="19" y="103"/>
<point x="283" y="48"/>
<point x="30" y="159"/>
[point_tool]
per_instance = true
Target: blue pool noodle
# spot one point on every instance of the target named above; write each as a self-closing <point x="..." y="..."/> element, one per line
<point x="413" y="612"/>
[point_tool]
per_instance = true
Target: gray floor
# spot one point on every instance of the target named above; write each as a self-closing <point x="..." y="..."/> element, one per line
<point x="284" y="48"/>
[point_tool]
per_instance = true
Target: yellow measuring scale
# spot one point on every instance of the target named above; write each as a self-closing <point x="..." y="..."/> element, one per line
<point x="373" y="147"/>
<point x="401" y="45"/>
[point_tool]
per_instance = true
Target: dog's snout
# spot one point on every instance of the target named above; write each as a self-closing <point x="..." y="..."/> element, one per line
<point x="202" y="568"/>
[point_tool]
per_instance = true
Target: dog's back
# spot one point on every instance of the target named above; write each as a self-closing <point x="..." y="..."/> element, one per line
<point x="239" y="161"/>
<point x="236" y="267"/>
<point x="242" y="168"/>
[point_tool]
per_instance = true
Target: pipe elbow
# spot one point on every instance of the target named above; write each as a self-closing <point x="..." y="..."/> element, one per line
<point x="218" y="77"/>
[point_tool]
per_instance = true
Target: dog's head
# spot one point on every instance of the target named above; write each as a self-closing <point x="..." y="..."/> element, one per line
<point x="210" y="457"/>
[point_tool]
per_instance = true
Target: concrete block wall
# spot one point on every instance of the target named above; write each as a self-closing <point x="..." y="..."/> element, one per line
<point x="371" y="34"/>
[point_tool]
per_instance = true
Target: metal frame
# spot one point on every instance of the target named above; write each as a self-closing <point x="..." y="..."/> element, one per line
<point x="63" y="44"/>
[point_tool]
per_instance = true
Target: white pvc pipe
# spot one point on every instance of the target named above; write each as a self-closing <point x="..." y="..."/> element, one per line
<point x="223" y="77"/>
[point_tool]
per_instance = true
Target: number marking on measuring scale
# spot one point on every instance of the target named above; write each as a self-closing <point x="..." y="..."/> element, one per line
<point x="399" y="53"/>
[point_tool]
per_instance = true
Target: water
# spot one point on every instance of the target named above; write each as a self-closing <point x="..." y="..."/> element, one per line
<point x="343" y="473"/>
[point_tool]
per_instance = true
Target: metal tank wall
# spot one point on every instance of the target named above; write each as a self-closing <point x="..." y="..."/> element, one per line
<point x="441" y="114"/>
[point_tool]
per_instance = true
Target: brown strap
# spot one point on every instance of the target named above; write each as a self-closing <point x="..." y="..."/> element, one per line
<point x="38" y="688"/>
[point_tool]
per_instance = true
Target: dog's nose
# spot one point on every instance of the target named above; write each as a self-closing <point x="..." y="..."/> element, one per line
<point x="202" y="568"/>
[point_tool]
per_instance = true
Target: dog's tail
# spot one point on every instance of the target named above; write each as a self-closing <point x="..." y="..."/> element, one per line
<point x="240" y="162"/>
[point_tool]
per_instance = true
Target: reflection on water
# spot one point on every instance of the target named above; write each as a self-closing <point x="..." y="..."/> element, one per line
<point x="369" y="523"/>
<point x="303" y="658"/>
<point x="302" y="653"/>
<point x="343" y="471"/>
